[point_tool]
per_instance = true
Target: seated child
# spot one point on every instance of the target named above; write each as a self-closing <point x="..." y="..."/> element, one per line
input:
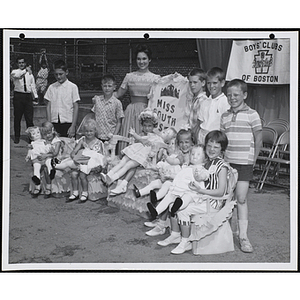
<point x="169" y="166"/>
<point x="87" y="155"/>
<point x="179" y="194"/>
<point x="50" y="135"/>
<point x="142" y="152"/>
<point x="38" y="147"/>
<point x="215" y="145"/>
<point x="167" y="171"/>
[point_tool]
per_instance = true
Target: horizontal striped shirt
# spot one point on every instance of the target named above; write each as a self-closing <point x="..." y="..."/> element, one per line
<point x="240" y="127"/>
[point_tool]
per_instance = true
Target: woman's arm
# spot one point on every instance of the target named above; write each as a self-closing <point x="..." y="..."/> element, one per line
<point x="218" y="192"/>
<point x="120" y="93"/>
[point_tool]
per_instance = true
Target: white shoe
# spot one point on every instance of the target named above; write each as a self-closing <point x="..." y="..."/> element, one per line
<point x="157" y="230"/>
<point x="172" y="239"/>
<point x="182" y="247"/>
<point x="120" y="189"/>
<point x="151" y="224"/>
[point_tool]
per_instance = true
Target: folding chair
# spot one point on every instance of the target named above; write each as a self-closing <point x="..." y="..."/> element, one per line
<point x="280" y="128"/>
<point x="275" y="158"/>
<point x="269" y="138"/>
<point x="280" y="121"/>
<point x="263" y="122"/>
<point x="211" y="232"/>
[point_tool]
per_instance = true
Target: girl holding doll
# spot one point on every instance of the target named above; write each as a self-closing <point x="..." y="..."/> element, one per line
<point x="87" y="155"/>
<point x="144" y="150"/>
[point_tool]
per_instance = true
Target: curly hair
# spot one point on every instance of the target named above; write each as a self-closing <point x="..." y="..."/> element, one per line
<point x="149" y="115"/>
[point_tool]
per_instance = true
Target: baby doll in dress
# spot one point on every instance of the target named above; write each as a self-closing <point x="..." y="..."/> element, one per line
<point x="144" y="151"/>
<point x="179" y="194"/>
<point x="38" y="147"/>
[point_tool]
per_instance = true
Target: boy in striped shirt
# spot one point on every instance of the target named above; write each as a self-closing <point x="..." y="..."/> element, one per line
<point x="243" y="128"/>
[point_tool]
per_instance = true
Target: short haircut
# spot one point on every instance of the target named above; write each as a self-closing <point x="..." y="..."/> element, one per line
<point x="216" y="72"/>
<point x="92" y="124"/>
<point x="185" y="132"/>
<point x="21" y="57"/>
<point x="238" y="83"/>
<point x="217" y="136"/>
<point x="60" y="64"/>
<point x="198" y="72"/>
<point x="143" y="48"/>
<point x="108" y="77"/>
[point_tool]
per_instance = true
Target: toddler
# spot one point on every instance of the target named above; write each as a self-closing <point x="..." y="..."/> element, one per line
<point x="38" y="147"/>
<point x="87" y="155"/>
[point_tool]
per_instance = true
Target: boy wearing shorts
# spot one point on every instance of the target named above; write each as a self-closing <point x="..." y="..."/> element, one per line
<point x="62" y="102"/>
<point x="243" y="128"/>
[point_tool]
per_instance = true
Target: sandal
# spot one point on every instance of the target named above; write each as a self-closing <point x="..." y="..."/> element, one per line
<point x="83" y="198"/>
<point x="36" y="192"/>
<point x="47" y="193"/>
<point x="245" y="245"/>
<point x="72" y="198"/>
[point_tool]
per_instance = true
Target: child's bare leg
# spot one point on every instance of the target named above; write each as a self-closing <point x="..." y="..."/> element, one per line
<point x="242" y="211"/>
<point x="130" y="164"/>
<point x="74" y="181"/>
<point x="66" y="163"/>
<point x="120" y="165"/>
<point x="84" y="185"/>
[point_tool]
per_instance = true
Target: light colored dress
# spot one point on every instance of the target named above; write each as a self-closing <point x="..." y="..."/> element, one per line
<point x="139" y="85"/>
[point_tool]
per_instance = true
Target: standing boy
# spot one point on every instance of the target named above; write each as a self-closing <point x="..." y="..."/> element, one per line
<point x="24" y="88"/>
<point x="197" y="81"/>
<point x="62" y="102"/>
<point x="108" y="110"/>
<point x="243" y="128"/>
<point x="216" y="104"/>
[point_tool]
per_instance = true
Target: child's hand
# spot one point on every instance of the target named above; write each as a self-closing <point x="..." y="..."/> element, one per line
<point x="132" y="131"/>
<point x="29" y="146"/>
<point x="194" y="186"/>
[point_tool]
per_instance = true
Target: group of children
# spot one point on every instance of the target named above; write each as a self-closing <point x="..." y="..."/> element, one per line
<point x="190" y="162"/>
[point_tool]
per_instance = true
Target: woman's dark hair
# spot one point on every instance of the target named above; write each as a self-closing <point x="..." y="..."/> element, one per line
<point x="143" y="48"/>
<point x="217" y="136"/>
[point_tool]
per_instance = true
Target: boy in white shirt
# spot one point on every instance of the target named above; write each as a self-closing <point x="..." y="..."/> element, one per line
<point x="216" y="104"/>
<point x="24" y="91"/>
<point x="62" y="102"/>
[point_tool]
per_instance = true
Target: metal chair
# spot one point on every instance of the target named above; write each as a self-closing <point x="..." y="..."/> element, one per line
<point x="276" y="158"/>
<point x="280" y="121"/>
<point x="280" y="128"/>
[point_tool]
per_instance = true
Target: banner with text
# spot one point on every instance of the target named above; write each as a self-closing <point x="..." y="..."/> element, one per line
<point x="171" y="97"/>
<point x="260" y="61"/>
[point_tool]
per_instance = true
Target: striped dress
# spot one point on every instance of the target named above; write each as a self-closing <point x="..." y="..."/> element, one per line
<point x="214" y="167"/>
<point x="139" y="85"/>
<point x="239" y="128"/>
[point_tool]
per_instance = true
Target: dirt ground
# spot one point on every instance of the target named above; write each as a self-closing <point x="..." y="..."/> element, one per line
<point x="51" y="232"/>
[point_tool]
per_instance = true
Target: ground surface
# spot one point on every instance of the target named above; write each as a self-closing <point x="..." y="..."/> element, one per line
<point x="52" y="231"/>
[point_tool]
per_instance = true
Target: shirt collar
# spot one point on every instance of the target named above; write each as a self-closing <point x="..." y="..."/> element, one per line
<point x="221" y="95"/>
<point x="244" y="108"/>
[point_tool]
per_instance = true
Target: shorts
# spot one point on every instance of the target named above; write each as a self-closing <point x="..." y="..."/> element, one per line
<point x="245" y="172"/>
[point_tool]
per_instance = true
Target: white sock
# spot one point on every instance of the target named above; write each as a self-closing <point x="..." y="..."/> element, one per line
<point x="75" y="193"/>
<point x="175" y="233"/>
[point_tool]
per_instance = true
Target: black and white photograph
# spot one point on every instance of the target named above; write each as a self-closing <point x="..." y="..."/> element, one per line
<point x="128" y="150"/>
